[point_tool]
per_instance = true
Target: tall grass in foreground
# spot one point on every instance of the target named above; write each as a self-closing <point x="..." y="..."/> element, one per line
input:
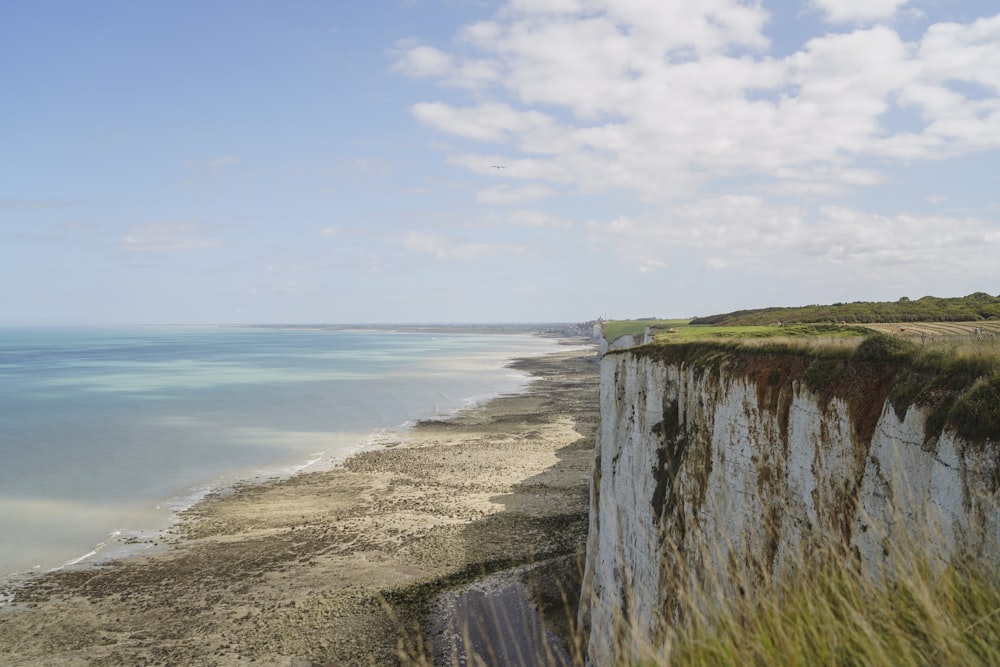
<point x="932" y="599"/>
<point x="915" y="611"/>
<point x="831" y="614"/>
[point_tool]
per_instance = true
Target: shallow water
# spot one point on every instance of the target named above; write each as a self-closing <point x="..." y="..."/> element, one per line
<point x="105" y="434"/>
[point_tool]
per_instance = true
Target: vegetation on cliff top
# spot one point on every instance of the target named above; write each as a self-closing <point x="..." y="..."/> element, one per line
<point x="958" y="380"/>
<point x="684" y="331"/>
<point x="975" y="307"/>
<point x="956" y="376"/>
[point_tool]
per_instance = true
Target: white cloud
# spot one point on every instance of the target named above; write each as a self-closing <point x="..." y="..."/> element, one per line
<point x="663" y="98"/>
<point x="547" y="6"/>
<point x="858" y="11"/>
<point x="372" y="166"/>
<point x="956" y="92"/>
<point x="220" y="163"/>
<point x="963" y="52"/>
<point x="282" y="269"/>
<point x="486" y="122"/>
<point x="442" y="247"/>
<point x="504" y="194"/>
<point x="528" y="218"/>
<point x="745" y="232"/>
<point x="165" y="236"/>
<point x="426" y="61"/>
<point x="446" y="247"/>
<point x="678" y="103"/>
<point x="907" y="238"/>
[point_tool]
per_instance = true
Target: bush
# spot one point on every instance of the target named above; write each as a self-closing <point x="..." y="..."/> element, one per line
<point x="822" y="373"/>
<point x="976" y="415"/>
<point x="885" y="348"/>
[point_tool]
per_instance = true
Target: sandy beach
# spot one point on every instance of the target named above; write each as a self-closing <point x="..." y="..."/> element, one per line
<point x="381" y="561"/>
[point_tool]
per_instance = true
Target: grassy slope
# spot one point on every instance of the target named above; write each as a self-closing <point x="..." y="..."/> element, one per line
<point x="972" y="308"/>
<point x="923" y="615"/>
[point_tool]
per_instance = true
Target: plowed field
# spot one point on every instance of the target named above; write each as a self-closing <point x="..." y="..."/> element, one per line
<point x="939" y="329"/>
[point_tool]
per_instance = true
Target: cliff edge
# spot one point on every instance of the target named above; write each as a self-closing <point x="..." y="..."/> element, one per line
<point x="728" y="466"/>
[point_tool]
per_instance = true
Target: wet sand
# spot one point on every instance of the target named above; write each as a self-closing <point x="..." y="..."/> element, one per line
<point x="348" y="566"/>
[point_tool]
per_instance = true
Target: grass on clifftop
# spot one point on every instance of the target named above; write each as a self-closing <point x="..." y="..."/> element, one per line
<point x="672" y="331"/>
<point x="820" y="339"/>
<point x="831" y="614"/>
<point x="957" y="377"/>
<point x="968" y="355"/>
<point x="979" y="307"/>
<point x="975" y="307"/>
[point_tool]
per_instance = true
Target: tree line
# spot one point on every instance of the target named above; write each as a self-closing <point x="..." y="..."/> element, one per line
<point x="975" y="307"/>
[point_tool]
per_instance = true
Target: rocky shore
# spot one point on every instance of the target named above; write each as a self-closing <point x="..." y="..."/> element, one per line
<point x="385" y="560"/>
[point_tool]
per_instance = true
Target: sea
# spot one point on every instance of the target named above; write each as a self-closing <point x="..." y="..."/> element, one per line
<point x="106" y="434"/>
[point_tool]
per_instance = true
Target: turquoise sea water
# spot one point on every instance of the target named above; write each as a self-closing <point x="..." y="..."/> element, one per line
<point x="104" y="434"/>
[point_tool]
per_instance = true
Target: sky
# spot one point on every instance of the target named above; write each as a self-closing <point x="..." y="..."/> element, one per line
<point x="394" y="161"/>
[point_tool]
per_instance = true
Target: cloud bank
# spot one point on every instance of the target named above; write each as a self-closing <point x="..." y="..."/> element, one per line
<point x="746" y="157"/>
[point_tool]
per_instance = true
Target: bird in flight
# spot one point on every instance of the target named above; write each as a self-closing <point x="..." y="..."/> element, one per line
<point x="498" y="166"/>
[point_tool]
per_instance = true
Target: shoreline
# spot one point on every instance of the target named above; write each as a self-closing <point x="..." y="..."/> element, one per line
<point x="123" y="544"/>
<point x="299" y="570"/>
<point x="139" y="537"/>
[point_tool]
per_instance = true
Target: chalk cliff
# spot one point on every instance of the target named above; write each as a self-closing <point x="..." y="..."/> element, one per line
<point x="741" y="462"/>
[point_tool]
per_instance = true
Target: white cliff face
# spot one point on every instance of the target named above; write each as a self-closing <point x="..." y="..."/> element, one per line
<point x="742" y="469"/>
<point x="622" y="343"/>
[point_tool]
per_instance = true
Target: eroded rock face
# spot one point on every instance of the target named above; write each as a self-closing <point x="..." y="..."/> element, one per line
<point x="736" y="466"/>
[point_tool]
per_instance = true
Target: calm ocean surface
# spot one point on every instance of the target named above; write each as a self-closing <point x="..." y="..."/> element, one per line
<point x="104" y="433"/>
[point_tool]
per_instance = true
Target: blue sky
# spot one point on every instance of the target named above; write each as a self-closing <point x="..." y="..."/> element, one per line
<point x="243" y="161"/>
